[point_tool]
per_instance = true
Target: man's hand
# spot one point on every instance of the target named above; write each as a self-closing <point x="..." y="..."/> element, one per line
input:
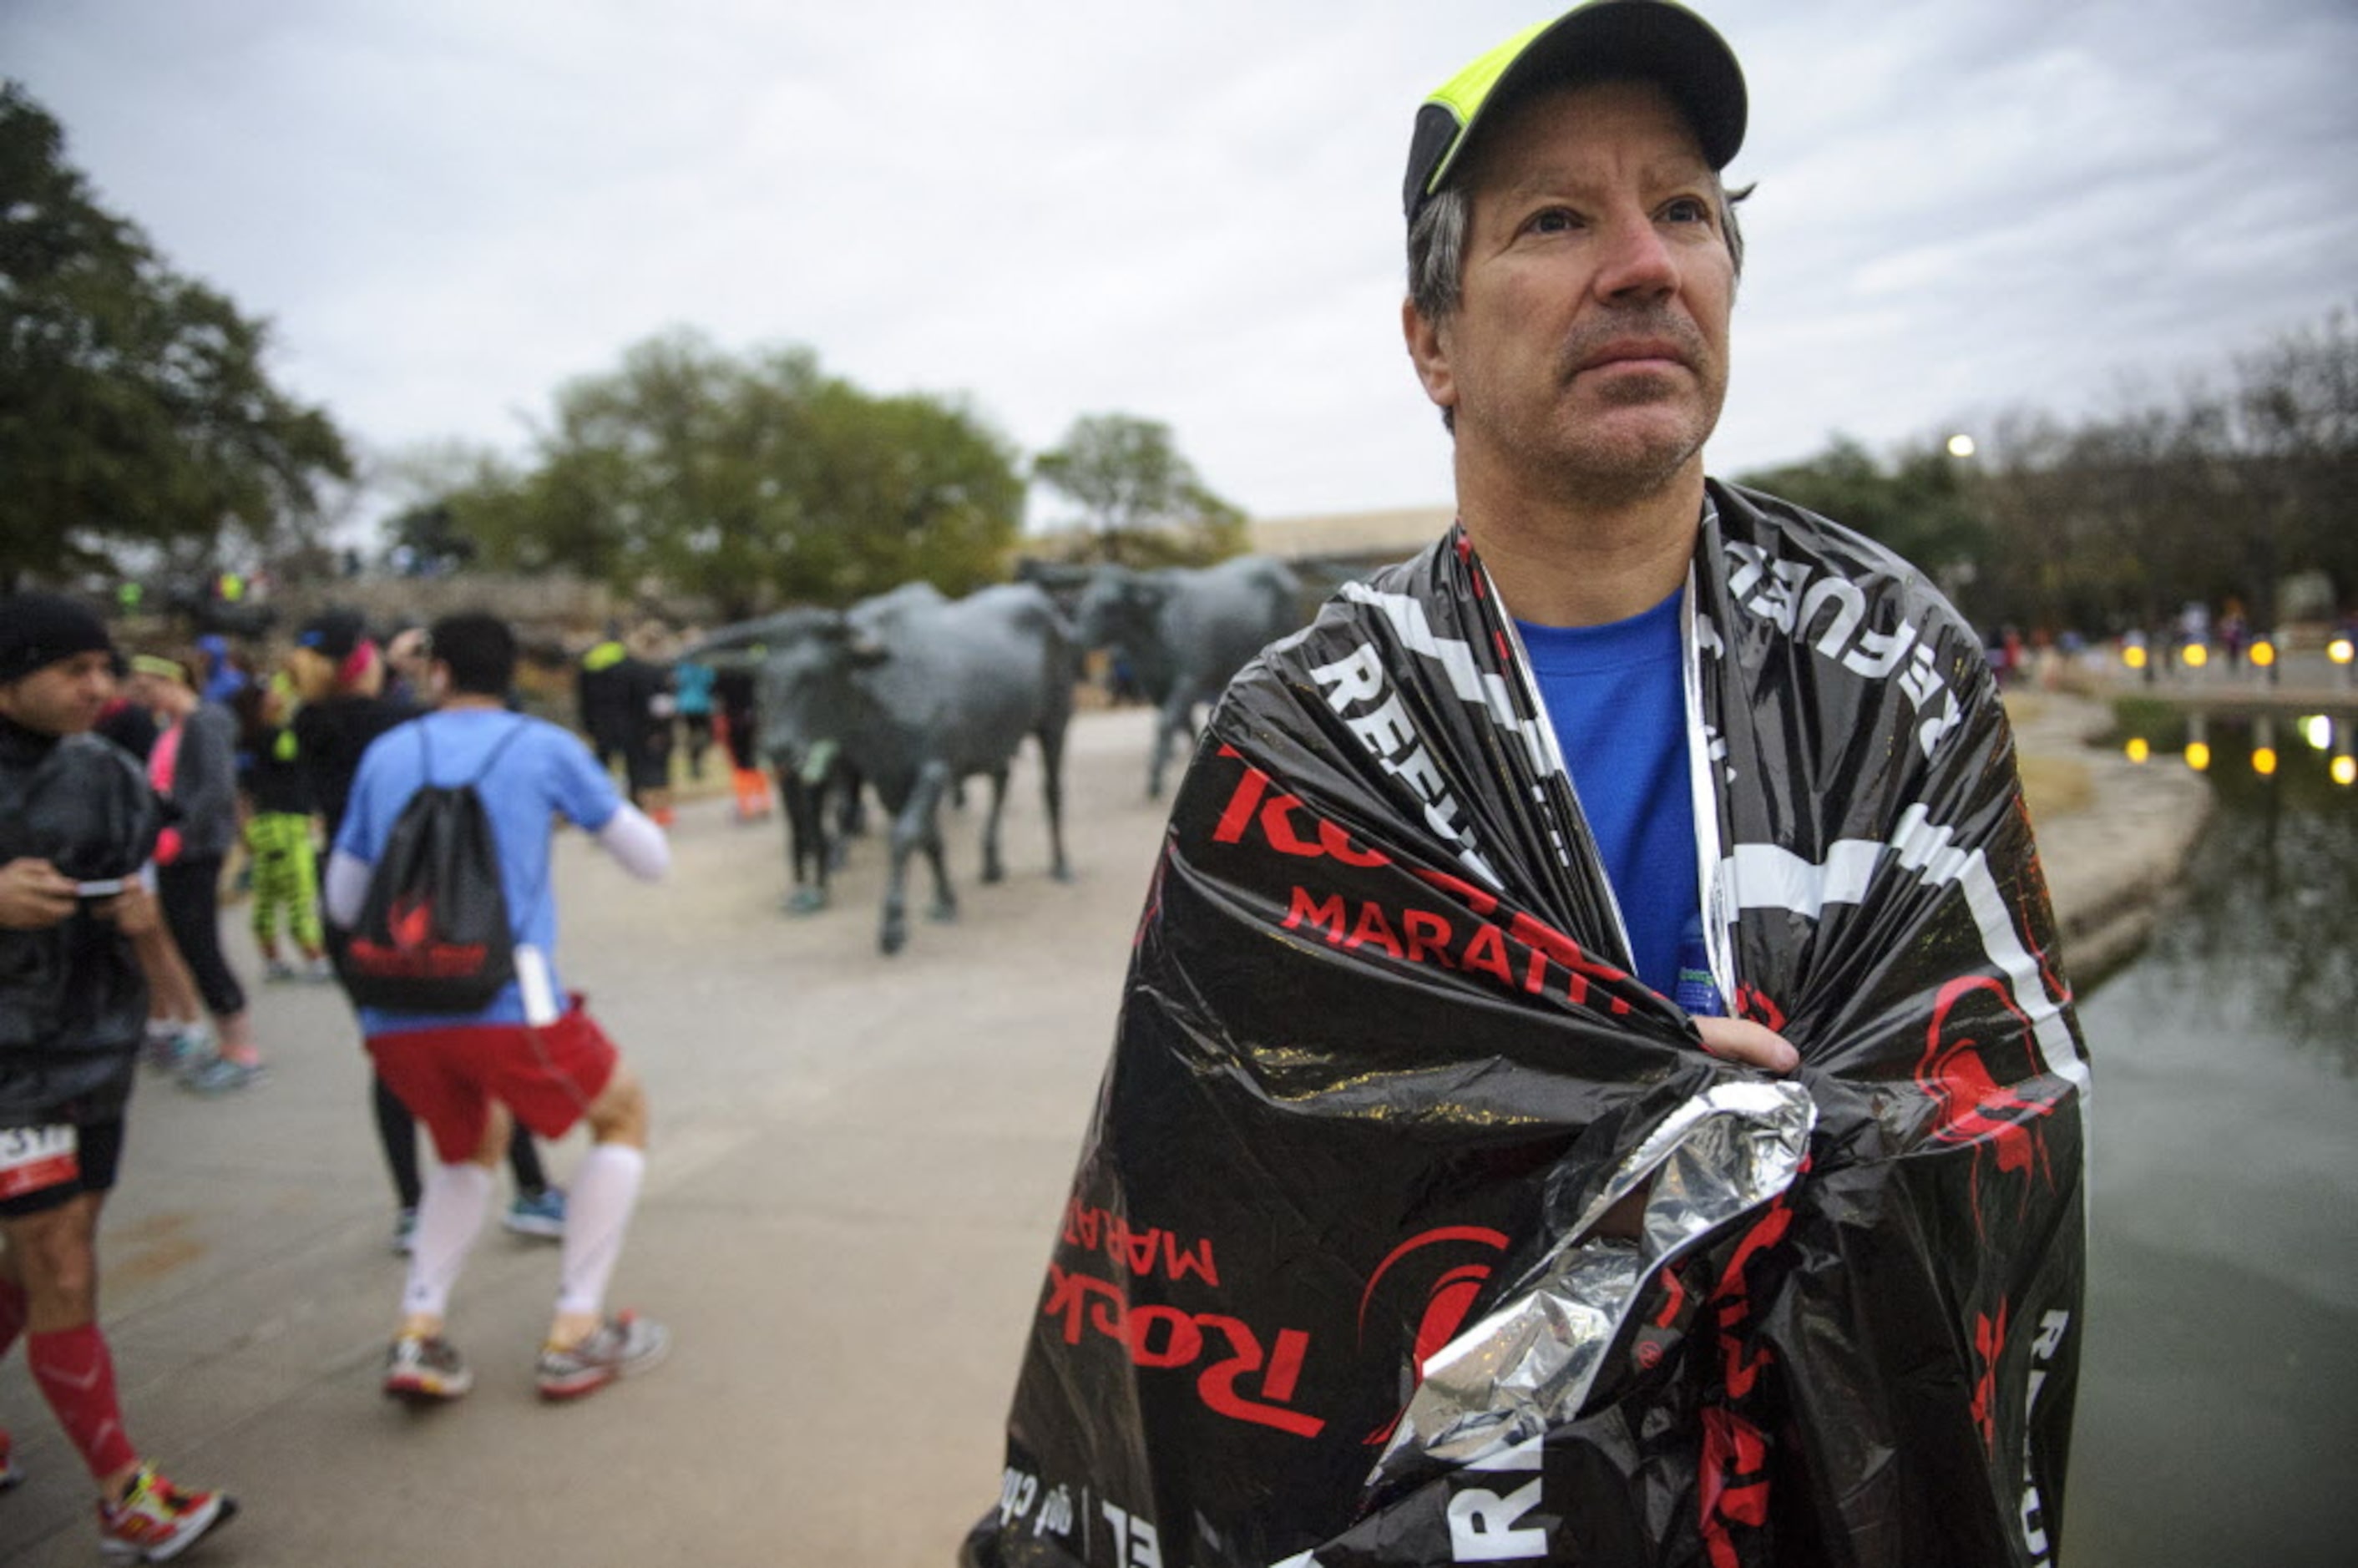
<point x="1754" y="1044"/>
<point x="34" y="895"/>
<point x="1731" y="1040"/>
<point x="133" y="911"/>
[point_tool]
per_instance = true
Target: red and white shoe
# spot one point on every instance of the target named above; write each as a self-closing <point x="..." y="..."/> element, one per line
<point x="155" y="1521"/>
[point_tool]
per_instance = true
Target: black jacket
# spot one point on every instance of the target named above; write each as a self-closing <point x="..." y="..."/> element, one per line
<point x="72" y="999"/>
<point x="331" y="735"/>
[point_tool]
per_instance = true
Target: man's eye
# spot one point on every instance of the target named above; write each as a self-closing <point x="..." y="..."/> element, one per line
<point x="1688" y="209"/>
<point x="1552" y="220"/>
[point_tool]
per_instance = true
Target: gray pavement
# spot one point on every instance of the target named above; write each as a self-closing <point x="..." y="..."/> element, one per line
<point x="857" y="1171"/>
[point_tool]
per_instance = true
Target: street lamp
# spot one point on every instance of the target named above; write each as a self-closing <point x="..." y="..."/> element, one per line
<point x="1962" y="446"/>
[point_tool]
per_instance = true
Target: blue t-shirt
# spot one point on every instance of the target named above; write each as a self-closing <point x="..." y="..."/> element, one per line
<point x="1616" y="697"/>
<point x="542" y="771"/>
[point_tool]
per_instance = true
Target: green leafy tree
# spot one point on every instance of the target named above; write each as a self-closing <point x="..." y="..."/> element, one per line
<point x="429" y="538"/>
<point x="2292" y="421"/>
<point x="137" y="412"/>
<point x="751" y="481"/>
<point x="1140" y="497"/>
<point x="1920" y="504"/>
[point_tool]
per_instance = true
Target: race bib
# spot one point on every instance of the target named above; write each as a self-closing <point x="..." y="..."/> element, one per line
<point x="34" y="1158"/>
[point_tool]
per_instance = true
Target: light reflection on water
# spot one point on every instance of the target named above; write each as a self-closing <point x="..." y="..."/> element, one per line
<point x="2221" y="1369"/>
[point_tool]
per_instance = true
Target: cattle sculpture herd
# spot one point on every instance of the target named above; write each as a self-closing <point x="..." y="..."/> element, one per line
<point x="910" y="694"/>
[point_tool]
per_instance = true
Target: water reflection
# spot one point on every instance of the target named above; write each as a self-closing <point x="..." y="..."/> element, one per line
<point x="2221" y="1363"/>
<point x="2272" y="900"/>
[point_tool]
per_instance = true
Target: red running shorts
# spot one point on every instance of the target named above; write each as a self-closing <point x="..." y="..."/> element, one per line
<point x="548" y="1075"/>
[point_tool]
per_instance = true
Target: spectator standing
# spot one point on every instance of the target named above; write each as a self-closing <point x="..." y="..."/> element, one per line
<point x="279" y="834"/>
<point x="691" y="682"/>
<point x="626" y="710"/>
<point x="175" y="1034"/>
<point x="194" y="768"/>
<point x="738" y="725"/>
<point x="602" y="699"/>
<point x="653" y="711"/>
<point x="1762" y="880"/>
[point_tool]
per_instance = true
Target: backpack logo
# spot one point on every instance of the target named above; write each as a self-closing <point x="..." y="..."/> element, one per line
<point x="412" y="923"/>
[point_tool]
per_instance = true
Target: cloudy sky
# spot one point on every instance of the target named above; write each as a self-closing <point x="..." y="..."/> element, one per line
<point x="1189" y="212"/>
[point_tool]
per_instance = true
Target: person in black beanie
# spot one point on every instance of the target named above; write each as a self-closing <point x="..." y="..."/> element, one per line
<point x="77" y="826"/>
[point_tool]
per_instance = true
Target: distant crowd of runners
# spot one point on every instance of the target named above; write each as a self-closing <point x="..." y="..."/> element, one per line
<point x="148" y="793"/>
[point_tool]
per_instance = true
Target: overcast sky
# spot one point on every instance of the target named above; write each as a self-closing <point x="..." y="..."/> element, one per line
<point x="1188" y="212"/>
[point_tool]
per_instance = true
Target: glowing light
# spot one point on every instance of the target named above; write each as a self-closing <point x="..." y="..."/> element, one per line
<point x="1962" y="446"/>
<point x="2263" y="760"/>
<point x="2341" y="650"/>
<point x="2197" y="755"/>
<point x="2138" y="750"/>
<point x="2318" y="730"/>
<point x="2345" y="770"/>
<point x="2264" y="653"/>
<point x="2196" y="655"/>
<point x="2134" y="656"/>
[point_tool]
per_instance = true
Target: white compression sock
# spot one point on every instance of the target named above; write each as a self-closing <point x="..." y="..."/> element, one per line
<point x="450" y="1212"/>
<point x="598" y="1205"/>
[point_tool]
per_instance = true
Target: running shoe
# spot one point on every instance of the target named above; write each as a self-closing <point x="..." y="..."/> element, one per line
<point x="541" y="1213"/>
<point x="405" y="1232"/>
<point x="277" y="969"/>
<point x="220" y="1076"/>
<point x="155" y="1521"/>
<point x="425" y="1371"/>
<point x="171" y="1050"/>
<point x="623" y="1344"/>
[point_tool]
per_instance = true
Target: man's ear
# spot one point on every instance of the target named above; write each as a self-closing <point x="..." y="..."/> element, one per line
<point x="1428" y="348"/>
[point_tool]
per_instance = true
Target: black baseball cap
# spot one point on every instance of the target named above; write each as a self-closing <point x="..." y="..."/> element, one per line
<point x="333" y="634"/>
<point x="1649" y="39"/>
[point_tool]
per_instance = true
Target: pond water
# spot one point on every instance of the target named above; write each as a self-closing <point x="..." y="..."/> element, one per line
<point x="2219" y="1393"/>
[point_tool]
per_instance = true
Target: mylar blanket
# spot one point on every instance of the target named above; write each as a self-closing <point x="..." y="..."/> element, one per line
<point x="1329" y="1289"/>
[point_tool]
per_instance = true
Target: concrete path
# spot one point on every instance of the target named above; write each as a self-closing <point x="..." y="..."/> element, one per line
<point x="858" y="1168"/>
<point x="857" y="1171"/>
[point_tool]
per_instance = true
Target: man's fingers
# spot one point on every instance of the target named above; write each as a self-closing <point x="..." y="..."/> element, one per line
<point x="1754" y="1044"/>
<point x="34" y="894"/>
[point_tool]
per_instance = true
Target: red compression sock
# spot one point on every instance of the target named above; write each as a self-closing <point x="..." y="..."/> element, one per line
<point x="77" y="1376"/>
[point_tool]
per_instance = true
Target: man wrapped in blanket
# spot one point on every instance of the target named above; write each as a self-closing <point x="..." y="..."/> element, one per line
<point x="1595" y="1084"/>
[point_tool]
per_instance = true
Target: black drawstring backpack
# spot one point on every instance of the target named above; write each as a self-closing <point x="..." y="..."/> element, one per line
<point x="433" y="935"/>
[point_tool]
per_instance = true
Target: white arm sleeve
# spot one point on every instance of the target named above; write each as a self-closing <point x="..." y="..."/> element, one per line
<point x="637" y="844"/>
<point x="346" y="888"/>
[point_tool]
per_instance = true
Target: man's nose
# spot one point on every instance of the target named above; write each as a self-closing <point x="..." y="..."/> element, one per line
<point x="1636" y="263"/>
